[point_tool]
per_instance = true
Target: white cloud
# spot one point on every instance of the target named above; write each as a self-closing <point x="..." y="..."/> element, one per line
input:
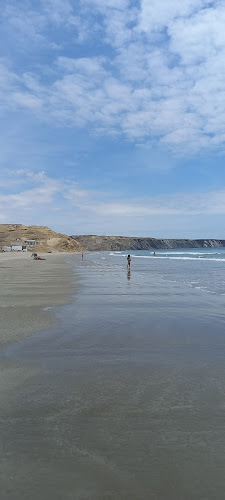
<point x="26" y="100"/>
<point x="178" y="204"/>
<point x="156" y="15"/>
<point x="200" y="38"/>
<point x="162" y="79"/>
<point x="30" y="198"/>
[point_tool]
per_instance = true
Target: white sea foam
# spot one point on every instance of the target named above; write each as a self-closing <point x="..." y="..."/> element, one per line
<point x="177" y="258"/>
<point x="116" y="254"/>
<point x="187" y="252"/>
<point x="200" y="256"/>
<point x="176" y="252"/>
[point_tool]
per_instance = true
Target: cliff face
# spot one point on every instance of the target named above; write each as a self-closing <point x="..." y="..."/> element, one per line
<point x="116" y="243"/>
<point x="47" y="239"/>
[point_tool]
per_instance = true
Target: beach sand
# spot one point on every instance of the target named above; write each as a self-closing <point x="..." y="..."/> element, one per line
<point x="28" y="289"/>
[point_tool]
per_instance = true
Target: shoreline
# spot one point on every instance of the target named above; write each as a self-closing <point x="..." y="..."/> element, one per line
<point x="29" y="289"/>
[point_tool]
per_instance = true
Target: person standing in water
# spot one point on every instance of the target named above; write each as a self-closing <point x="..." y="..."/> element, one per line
<point x="128" y="261"/>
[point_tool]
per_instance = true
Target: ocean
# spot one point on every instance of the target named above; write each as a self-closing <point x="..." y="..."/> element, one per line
<point x="198" y="268"/>
<point x="128" y="398"/>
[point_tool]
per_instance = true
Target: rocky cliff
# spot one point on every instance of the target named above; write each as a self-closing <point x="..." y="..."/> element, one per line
<point x="116" y="243"/>
<point x="46" y="239"/>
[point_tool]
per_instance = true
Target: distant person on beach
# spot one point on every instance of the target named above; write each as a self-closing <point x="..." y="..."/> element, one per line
<point x="154" y="254"/>
<point x="82" y="256"/>
<point x="128" y="261"/>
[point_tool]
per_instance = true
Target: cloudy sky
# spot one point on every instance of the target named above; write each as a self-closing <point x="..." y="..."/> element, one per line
<point x="113" y="116"/>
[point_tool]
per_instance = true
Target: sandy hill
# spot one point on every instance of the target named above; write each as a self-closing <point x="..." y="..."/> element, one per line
<point x="47" y="240"/>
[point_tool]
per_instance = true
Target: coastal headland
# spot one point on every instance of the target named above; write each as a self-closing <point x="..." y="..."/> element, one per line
<point x="118" y="243"/>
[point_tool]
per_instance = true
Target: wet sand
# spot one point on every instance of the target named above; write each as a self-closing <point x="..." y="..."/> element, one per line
<point x="125" y="397"/>
<point x="27" y="288"/>
<point x="29" y="292"/>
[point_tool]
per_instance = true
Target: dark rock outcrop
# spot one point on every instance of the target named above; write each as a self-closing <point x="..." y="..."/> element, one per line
<point x="117" y="243"/>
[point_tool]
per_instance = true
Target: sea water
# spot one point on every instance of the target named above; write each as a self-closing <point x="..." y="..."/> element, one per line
<point x="202" y="268"/>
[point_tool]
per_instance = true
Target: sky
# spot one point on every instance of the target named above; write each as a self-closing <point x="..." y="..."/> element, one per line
<point x="113" y="116"/>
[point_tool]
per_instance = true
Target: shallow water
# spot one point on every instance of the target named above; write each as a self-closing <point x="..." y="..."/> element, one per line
<point x="126" y="399"/>
<point x="202" y="268"/>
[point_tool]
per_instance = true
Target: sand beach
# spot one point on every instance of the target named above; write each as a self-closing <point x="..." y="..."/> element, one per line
<point x="28" y="289"/>
<point x="28" y="293"/>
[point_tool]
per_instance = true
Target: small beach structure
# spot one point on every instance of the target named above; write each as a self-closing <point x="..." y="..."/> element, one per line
<point x="15" y="246"/>
<point x="31" y="243"/>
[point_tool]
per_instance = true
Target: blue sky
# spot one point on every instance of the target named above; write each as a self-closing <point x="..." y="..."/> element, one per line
<point x="113" y="116"/>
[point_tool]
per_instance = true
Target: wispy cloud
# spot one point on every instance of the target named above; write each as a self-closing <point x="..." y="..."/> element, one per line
<point x="40" y="189"/>
<point x="180" y="204"/>
<point x="30" y="197"/>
